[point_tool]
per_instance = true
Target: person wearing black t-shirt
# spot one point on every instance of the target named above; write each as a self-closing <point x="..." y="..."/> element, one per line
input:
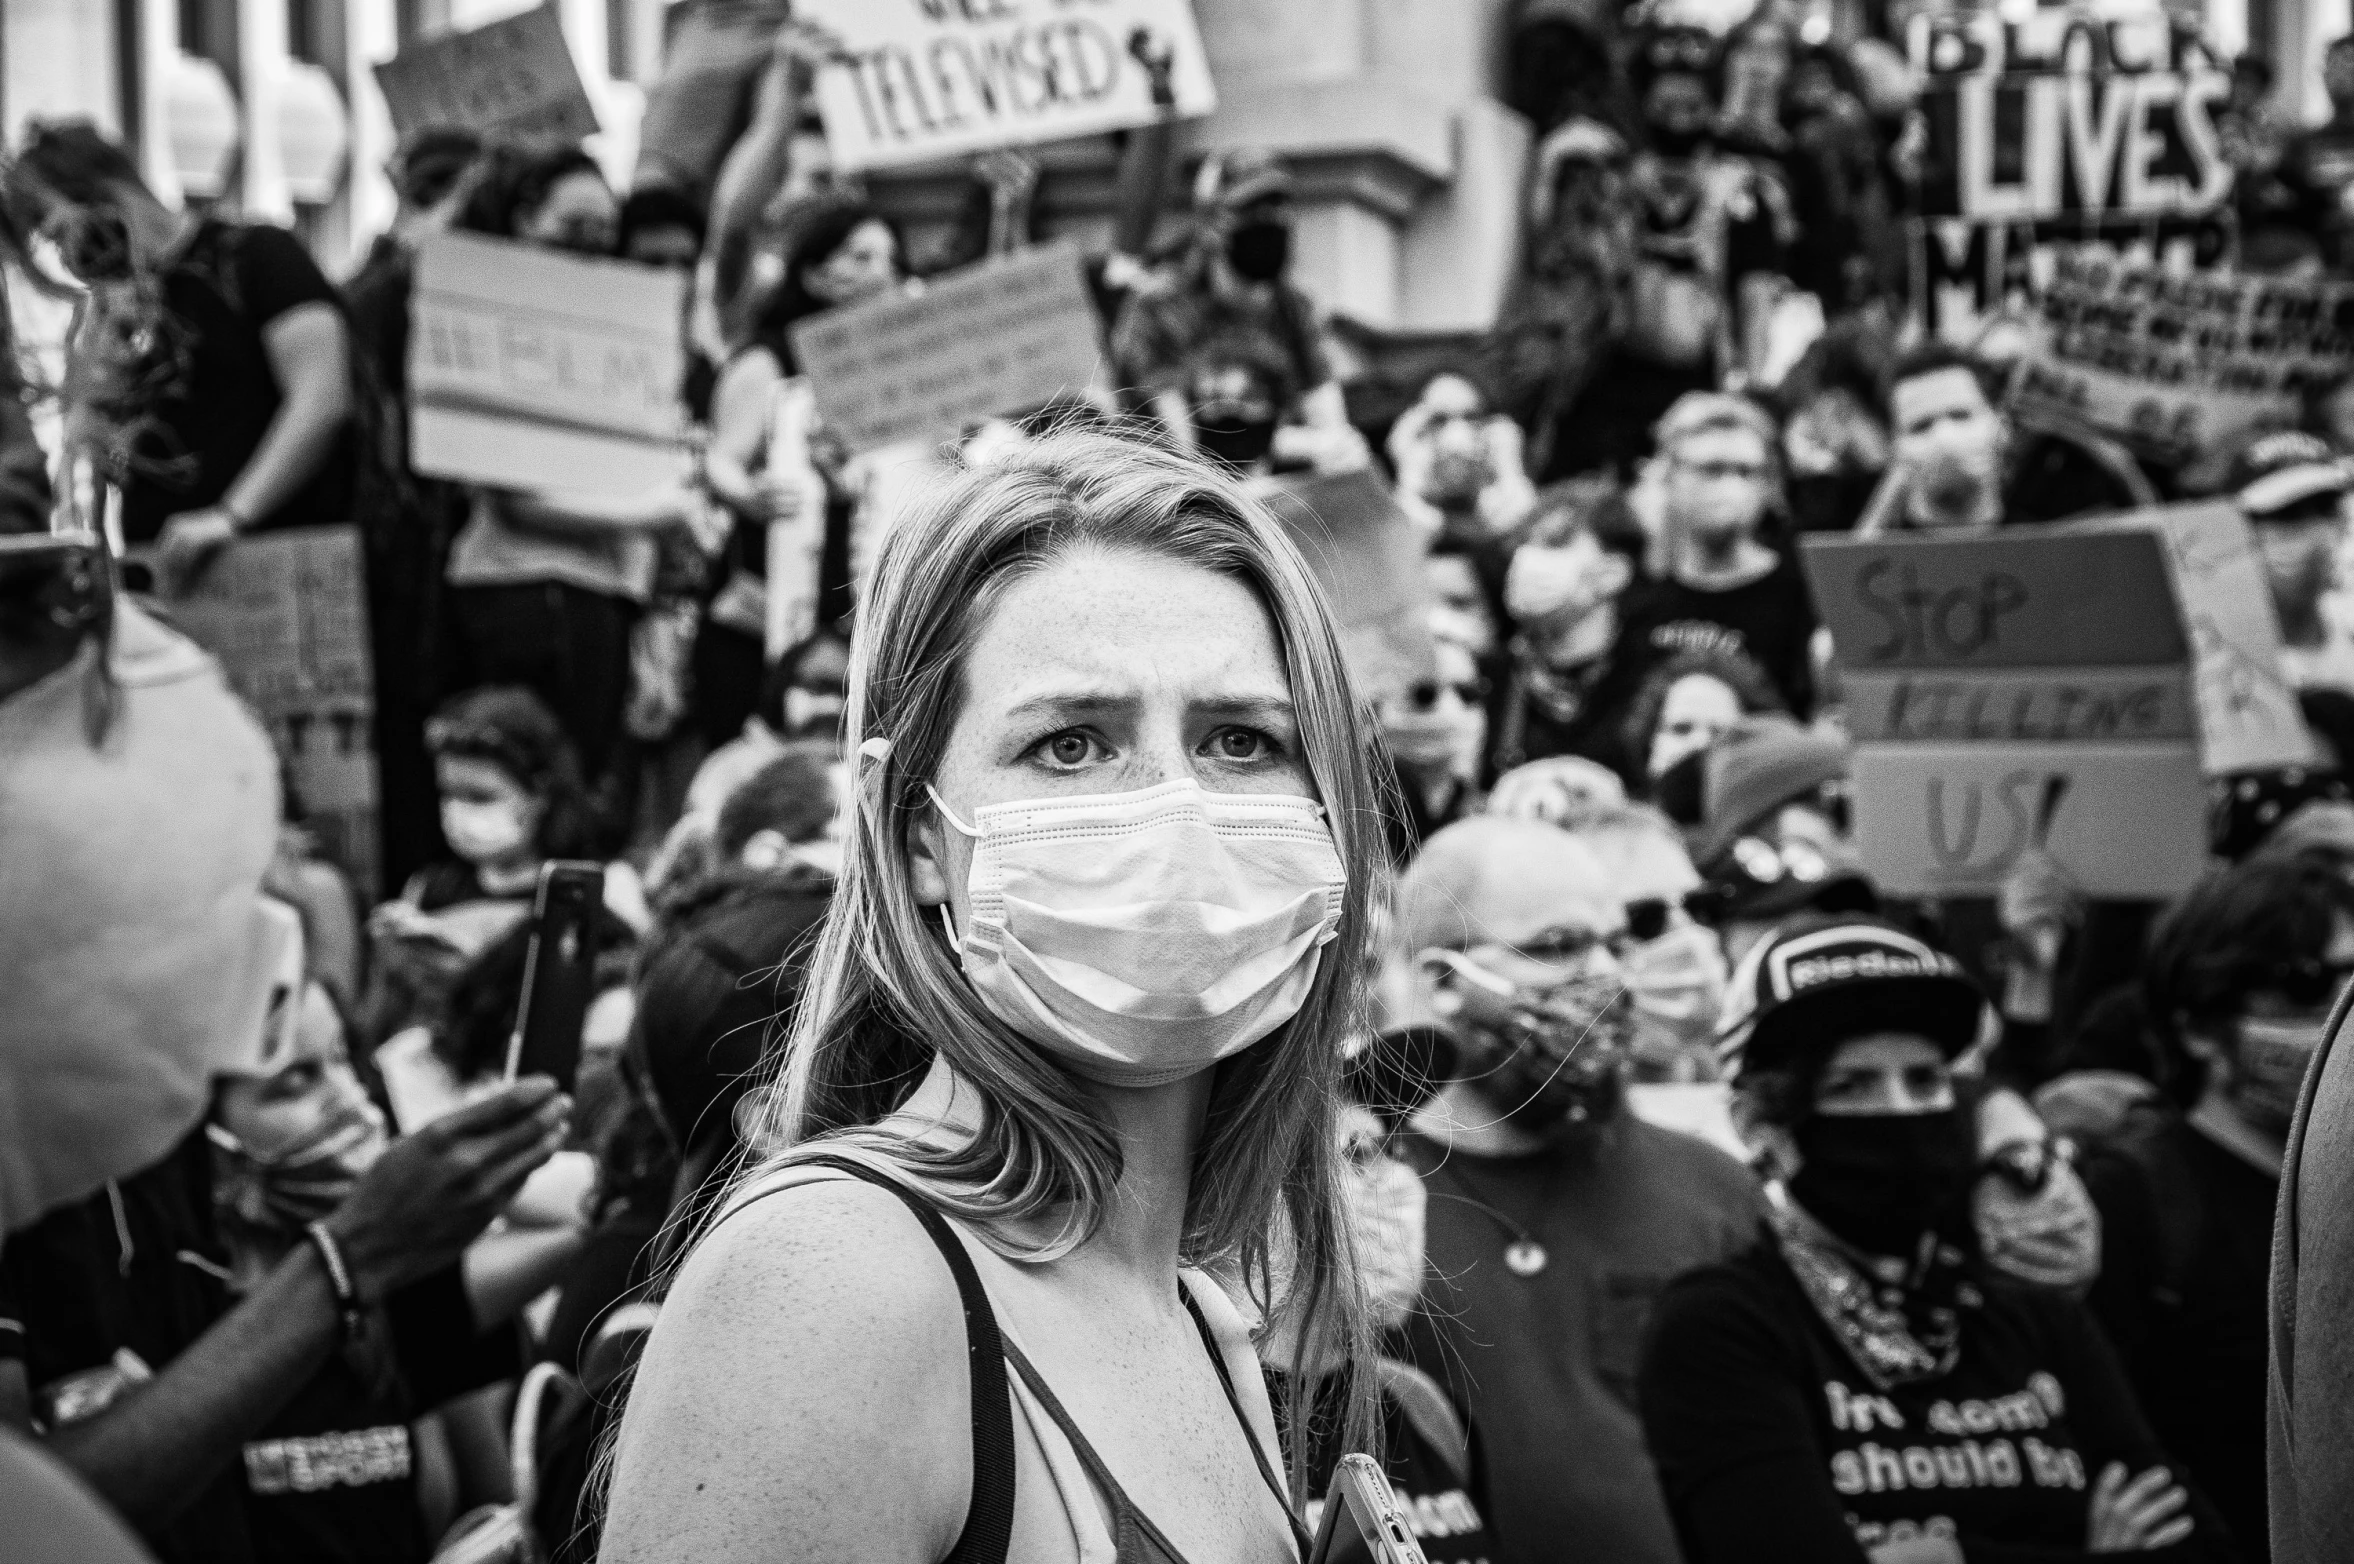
<point x="1555" y="1216"/>
<point x="1572" y="674"/>
<point x="1858" y="1384"/>
<point x="1724" y="591"/>
<point x="231" y="400"/>
<point x="2238" y="984"/>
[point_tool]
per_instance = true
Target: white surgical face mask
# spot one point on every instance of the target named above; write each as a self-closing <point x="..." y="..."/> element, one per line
<point x="481" y="832"/>
<point x="1678" y="982"/>
<point x="1141" y="937"/>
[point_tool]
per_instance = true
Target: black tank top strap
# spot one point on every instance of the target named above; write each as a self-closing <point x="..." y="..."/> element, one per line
<point x="1135" y="1539"/>
<point x="989" y="1518"/>
<point x="1258" y="1452"/>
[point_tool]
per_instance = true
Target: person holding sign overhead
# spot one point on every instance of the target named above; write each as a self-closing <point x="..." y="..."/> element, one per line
<point x="1096" y="673"/>
<point x="546" y="585"/>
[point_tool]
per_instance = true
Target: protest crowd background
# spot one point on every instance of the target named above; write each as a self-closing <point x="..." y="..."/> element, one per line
<point x="1834" y="517"/>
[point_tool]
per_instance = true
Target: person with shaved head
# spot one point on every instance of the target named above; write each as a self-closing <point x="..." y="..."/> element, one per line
<point x="1555" y="1215"/>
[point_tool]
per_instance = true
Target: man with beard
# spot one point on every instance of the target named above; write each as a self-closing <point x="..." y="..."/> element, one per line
<point x="1229" y="354"/>
<point x="1961" y="465"/>
<point x="1555" y="1216"/>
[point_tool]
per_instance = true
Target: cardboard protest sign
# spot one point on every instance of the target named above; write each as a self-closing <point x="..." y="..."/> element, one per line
<point x="1368" y="560"/>
<point x="534" y="369"/>
<point x="515" y="76"/>
<point x="2068" y="688"/>
<point x="1003" y="336"/>
<point x="2178" y="366"/>
<point x="2055" y="128"/>
<point x="930" y="79"/>
<point x="285" y="613"/>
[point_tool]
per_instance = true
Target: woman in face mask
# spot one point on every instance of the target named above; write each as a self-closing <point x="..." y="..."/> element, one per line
<point x="2238" y="985"/>
<point x="1071" y="1034"/>
<point x="1427" y="1444"/>
<point x="1859" y="1384"/>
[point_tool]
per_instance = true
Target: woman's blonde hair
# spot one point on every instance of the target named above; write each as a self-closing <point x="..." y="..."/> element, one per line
<point x="884" y="991"/>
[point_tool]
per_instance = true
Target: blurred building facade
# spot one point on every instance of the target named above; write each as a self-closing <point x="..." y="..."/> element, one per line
<point x="1388" y="109"/>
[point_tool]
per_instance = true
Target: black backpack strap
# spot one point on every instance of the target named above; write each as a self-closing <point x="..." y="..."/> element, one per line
<point x="989" y="1519"/>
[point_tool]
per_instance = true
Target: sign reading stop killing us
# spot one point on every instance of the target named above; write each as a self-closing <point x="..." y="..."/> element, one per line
<point x="927" y="79"/>
<point x="2067" y="688"/>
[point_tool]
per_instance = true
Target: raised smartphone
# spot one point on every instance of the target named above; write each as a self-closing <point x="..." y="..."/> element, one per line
<point x="559" y="971"/>
<point x="1372" y="1511"/>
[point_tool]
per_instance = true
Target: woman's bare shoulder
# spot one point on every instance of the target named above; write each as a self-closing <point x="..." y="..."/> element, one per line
<point x="815" y="1332"/>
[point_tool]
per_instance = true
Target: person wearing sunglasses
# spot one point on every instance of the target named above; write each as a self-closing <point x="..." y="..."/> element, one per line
<point x="2237" y="990"/>
<point x="1860" y="1384"/>
<point x="1554" y="1213"/>
<point x="1437" y="727"/>
<point x="1674" y="963"/>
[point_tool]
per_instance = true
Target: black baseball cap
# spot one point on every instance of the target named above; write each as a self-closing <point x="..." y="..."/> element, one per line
<point x="1824" y="978"/>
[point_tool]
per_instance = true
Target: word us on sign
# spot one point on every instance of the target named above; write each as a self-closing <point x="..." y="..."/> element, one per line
<point x="2061" y="689"/>
<point x="927" y="79"/>
<point x="2065" y="114"/>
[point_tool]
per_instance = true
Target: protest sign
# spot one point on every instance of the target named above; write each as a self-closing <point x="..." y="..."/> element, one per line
<point x="1004" y="336"/>
<point x="2052" y="129"/>
<point x="2178" y="366"/>
<point x="1367" y="559"/>
<point x="929" y="79"/>
<point x="2068" y="688"/>
<point x="285" y="614"/>
<point x="531" y="368"/>
<point x="515" y="77"/>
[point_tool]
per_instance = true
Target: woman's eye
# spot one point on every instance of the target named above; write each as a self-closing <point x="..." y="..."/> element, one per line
<point x="1238" y="744"/>
<point x="1067" y="749"/>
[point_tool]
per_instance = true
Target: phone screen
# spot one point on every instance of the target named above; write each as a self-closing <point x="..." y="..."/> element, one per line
<point x="559" y="970"/>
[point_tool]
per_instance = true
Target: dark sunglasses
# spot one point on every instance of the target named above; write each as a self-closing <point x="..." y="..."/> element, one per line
<point x="1651" y="916"/>
<point x="1423" y="694"/>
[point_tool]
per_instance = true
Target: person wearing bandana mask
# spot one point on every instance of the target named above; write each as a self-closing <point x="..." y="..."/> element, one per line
<point x="2238" y="984"/>
<point x="1229" y="357"/>
<point x="1573" y="674"/>
<point x="1554" y="1214"/>
<point x="1858" y="1384"/>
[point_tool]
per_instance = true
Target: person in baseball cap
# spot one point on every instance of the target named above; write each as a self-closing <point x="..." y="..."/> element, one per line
<point x="1819" y="1386"/>
<point x="2293" y="488"/>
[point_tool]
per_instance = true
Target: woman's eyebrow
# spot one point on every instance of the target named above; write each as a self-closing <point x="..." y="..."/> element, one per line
<point x="1276" y="708"/>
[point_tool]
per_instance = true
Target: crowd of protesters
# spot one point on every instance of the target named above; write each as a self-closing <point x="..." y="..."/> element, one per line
<point x="1704" y="1201"/>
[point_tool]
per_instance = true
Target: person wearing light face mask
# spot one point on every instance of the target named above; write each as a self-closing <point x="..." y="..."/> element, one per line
<point x="2293" y="488"/>
<point x="1554" y="1213"/>
<point x="1072" y="1030"/>
<point x="1858" y="1385"/>
<point x="1427" y="1449"/>
<point x="1229" y="356"/>
<point x="1960" y="466"/>
<point x="1674" y="964"/>
<point x="1724" y="590"/>
<point x="1573" y="673"/>
<point x="2238" y="984"/>
<point x="1437" y="730"/>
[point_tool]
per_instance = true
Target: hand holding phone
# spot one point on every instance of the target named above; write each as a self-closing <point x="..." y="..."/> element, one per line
<point x="559" y="972"/>
<point x="1361" y="1498"/>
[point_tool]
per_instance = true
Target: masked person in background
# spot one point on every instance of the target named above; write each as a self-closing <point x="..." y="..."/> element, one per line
<point x="1858" y="1384"/>
<point x="1229" y="354"/>
<point x="2238" y="985"/>
<point x="2293" y="488"/>
<point x="1691" y="701"/>
<point x="1437" y="730"/>
<point x="1724" y="589"/>
<point x="1572" y="674"/>
<point x="1674" y="965"/>
<point x="1428" y="1453"/>
<point x="1555" y="1215"/>
<point x="1458" y="465"/>
<point x="1961" y="465"/>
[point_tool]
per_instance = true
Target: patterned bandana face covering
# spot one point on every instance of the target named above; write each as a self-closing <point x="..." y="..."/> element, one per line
<point x="1141" y="937"/>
